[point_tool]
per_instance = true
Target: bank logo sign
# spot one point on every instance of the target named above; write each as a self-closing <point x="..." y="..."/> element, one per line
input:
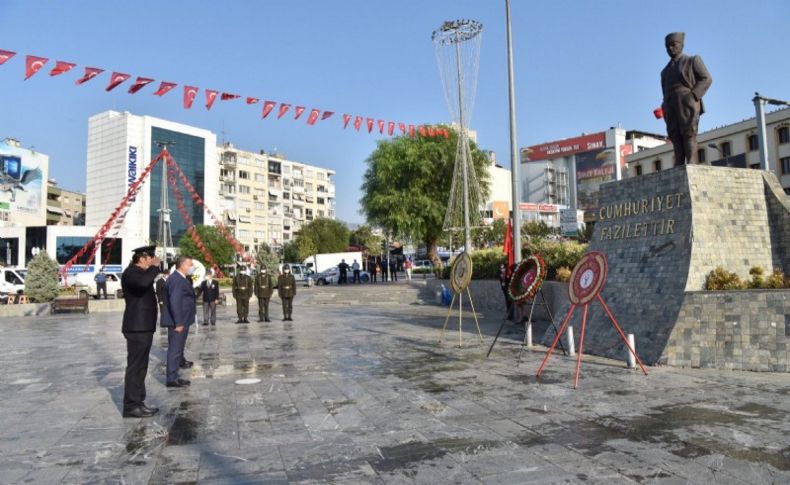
<point x="132" y="168"/>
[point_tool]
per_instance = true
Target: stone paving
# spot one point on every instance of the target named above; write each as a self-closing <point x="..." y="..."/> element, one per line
<point x="363" y="394"/>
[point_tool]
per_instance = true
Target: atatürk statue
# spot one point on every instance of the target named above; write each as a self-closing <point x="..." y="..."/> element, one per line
<point x="684" y="81"/>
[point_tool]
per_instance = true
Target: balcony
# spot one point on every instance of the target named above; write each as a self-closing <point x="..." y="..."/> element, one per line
<point x="228" y="159"/>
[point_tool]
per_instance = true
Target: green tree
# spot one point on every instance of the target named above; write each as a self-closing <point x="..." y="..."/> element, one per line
<point x="406" y="186"/>
<point x="536" y="230"/>
<point x="291" y="253"/>
<point x="216" y="244"/>
<point x="266" y="257"/>
<point x="321" y="235"/>
<point x="364" y="235"/>
<point x="41" y="281"/>
<point x="490" y="235"/>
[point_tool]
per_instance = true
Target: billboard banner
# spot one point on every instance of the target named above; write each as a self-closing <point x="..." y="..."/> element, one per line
<point x="564" y="148"/>
<point x="593" y="168"/>
<point x="22" y="186"/>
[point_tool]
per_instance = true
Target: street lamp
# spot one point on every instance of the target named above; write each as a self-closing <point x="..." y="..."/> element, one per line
<point x="759" y="107"/>
<point x="721" y="152"/>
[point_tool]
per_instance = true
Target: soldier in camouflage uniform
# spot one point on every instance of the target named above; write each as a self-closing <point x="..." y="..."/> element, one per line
<point x="264" y="287"/>
<point x="286" y="288"/>
<point x="242" y="292"/>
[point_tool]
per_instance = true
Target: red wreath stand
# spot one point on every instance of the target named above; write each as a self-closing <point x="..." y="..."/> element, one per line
<point x="587" y="281"/>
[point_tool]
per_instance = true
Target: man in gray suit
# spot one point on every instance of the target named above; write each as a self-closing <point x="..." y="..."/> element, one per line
<point x="684" y="81"/>
<point x="180" y="313"/>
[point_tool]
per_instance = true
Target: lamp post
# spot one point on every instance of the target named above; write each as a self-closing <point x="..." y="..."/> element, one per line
<point x="721" y="152"/>
<point x="515" y="161"/>
<point x="759" y="107"/>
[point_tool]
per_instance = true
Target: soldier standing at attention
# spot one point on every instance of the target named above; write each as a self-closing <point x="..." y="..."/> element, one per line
<point x="264" y="287"/>
<point x="139" y="324"/>
<point x="286" y="288"/>
<point x="242" y="292"/>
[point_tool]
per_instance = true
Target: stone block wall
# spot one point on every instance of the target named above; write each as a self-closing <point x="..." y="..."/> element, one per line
<point x="779" y="220"/>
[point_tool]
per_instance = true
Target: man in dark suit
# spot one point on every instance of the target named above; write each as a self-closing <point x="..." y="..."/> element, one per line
<point x="139" y="324"/>
<point x="209" y="289"/>
<point x="286" y="288"/>
<point x="180" y="314"/>
<point x="684" y="81"/>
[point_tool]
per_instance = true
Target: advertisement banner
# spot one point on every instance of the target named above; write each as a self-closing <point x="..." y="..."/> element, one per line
<point x="593" y="168"/>
<point x="22" y="186"/>
<point x="564" y="148"/>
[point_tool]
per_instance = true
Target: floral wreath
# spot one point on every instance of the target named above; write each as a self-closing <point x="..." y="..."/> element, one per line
<point x="527" y="278"/>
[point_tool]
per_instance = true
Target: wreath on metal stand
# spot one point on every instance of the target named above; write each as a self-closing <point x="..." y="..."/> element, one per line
<point x="527" y="279"/>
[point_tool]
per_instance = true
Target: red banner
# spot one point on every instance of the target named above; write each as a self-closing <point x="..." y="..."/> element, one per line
<point x="370" y="122"/>
<point x="357" y="122"/>
<point x="251" y="100"/>
<point x="164" y="88"/>
<point x="116" y="80"/>
<point x="228" y="96"/>
<point x="139" y="84"/>
<point x="570" y="146"/>
<point x="60" y="68"/>
<point x="33" y="64"/>
<point x="326" y="114"/>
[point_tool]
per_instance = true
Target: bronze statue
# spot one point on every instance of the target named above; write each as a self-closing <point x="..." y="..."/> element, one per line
<point x="684" y="81"/>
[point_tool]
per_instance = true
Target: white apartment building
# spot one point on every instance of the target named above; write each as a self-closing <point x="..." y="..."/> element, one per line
<point x="266" y="198"/>
<point x="732" y="145"/>
<point x="500" y="200"/>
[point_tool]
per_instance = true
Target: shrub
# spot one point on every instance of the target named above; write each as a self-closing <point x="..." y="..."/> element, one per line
<point x="758" y="277"/>
<point x="485" y="264"/>
<point x="556" y="254"/>
<point x="776" y="280"/>
<point x="41" y="283"/>
<point x="721" y="279"/>
<point x="225" y="282"/>
<point x="563" y="274"/>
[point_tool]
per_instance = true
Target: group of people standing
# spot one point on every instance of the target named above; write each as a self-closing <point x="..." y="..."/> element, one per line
<point x="148" y="294"/>
<point x="386" y="269"/>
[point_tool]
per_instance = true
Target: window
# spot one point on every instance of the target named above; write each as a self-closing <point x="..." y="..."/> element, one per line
<point x="320" y="213"/>
<point x="286" y="195"/>
<point x="784" y="162"/>
<point x="751" y="142"/>
<point x="657" y="166"/>
<point x="755" y="166"/>
<point x="787" y="191"/>
<point x="244" y="189"/>
<point x="638" y="169"/>
<point x="260" y="206"/>
<point x="783" y="133"/>
<point x="701" y="155"/>
<point x="308" y="187"/>
<point x="66" y="247"/>
<point x="243" y="233"/>
<point x="259" y="177"/>
<point x="726" y="149"/>
<point x="244" y="175"/>
<point x="309" y="214"/>
<point x="320" y="200"/>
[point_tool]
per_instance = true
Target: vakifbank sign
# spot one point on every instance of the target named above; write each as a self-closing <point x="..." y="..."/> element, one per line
<point x="132" y="168"/>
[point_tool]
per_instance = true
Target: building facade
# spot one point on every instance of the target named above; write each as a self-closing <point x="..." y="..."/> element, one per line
<point x="64" y="207"/>
<point x="569" y="172"/>
<point x="499" y="201"/>
<point x="732" y="145"/>
<point x="266" y="198"/>
<point x="120" y="147"/>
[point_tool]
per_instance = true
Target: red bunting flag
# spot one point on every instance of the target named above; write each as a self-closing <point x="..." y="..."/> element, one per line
<point x="411" y="131"/>
<point x="370" y="122"/>
<point x="139" y="84"/>
<point x="357" y="122"/>
<point x="116" y="80"/>
<point x="390" y="128"/>
<point x="422" y="130"/>
<point x="381" y="126"/>
<point x="5" y="55"/>
<point x="283" y="109"/>
<point x="346" y="119"/>
<point x="190" y="93"/>
<point x="431" y="131"/>
<point x="326" y="114"/>
<point x="227" y="96"/>
<point x="90" y="73"/>
<point x="164" y="88"/>
<point x="299" y="110"/>
<point x="60" y="68"/>
<point x="252" y="100"/>
<point x="33" y="64"/>
<point x="445" y="132"/>
<point x="313" y="116"/>
<point x="211" y="96"/>
<point x="402" y="128"/>
<point x="268" y="106"/>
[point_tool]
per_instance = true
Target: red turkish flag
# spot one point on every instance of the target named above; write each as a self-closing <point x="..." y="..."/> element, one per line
<point x="90" y="73"/>
<point x="268" y="106"/>
<point x="381" y="126"/>
<point x="370" y="122"/>
<point x="211" y="96"/>
<point x="313" y="116"/>
<point x="346" y="119"/>
<point x="139" y="84"/>
<point x="190" y="93"/>
<point x="509" y="251"/>
<point x="326" y="114"/>
<point x="227" y="96"/>
<point x="116" y="80"/>
<point x="411" y="131"/>
<point x="357" y="122"/>
<point x="422" y="130"/>
<point x="431" y="131"/>
<point x="402" y="128"/>
<point x="5" y="55"/>
<point x="164" y="88"/>
<point x="390" y="128"/>
<point x="33" y="64"/>
<point x="446" y="132"/>
<point x="283" y="109"/>
<point x="299" y="110"/>
<point x="252" y="100"/>
<point x="60" y="68"/>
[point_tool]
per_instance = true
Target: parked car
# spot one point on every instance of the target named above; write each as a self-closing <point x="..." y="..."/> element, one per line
<point x="85" y="284"/>
<point x="301" y="272"/>
<point x="423" y="264"/>
<point x="332" y="275"/>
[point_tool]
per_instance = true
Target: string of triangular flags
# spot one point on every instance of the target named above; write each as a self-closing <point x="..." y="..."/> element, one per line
<point x="33" y="64"/>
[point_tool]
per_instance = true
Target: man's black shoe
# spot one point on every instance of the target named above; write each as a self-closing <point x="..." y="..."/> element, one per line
<point x="139" y="412"/>
<point x="205" y="324"/>
<point x="187" y="364"/>
<point x="267" y="320"/>
<point x="178" y="383"/>
<point x="150" y="410"/>
<point x="239" y="321"/>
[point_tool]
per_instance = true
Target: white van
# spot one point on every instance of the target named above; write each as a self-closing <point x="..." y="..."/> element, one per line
<point x="85" y="284"/>
<point x="11" y="281"/>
